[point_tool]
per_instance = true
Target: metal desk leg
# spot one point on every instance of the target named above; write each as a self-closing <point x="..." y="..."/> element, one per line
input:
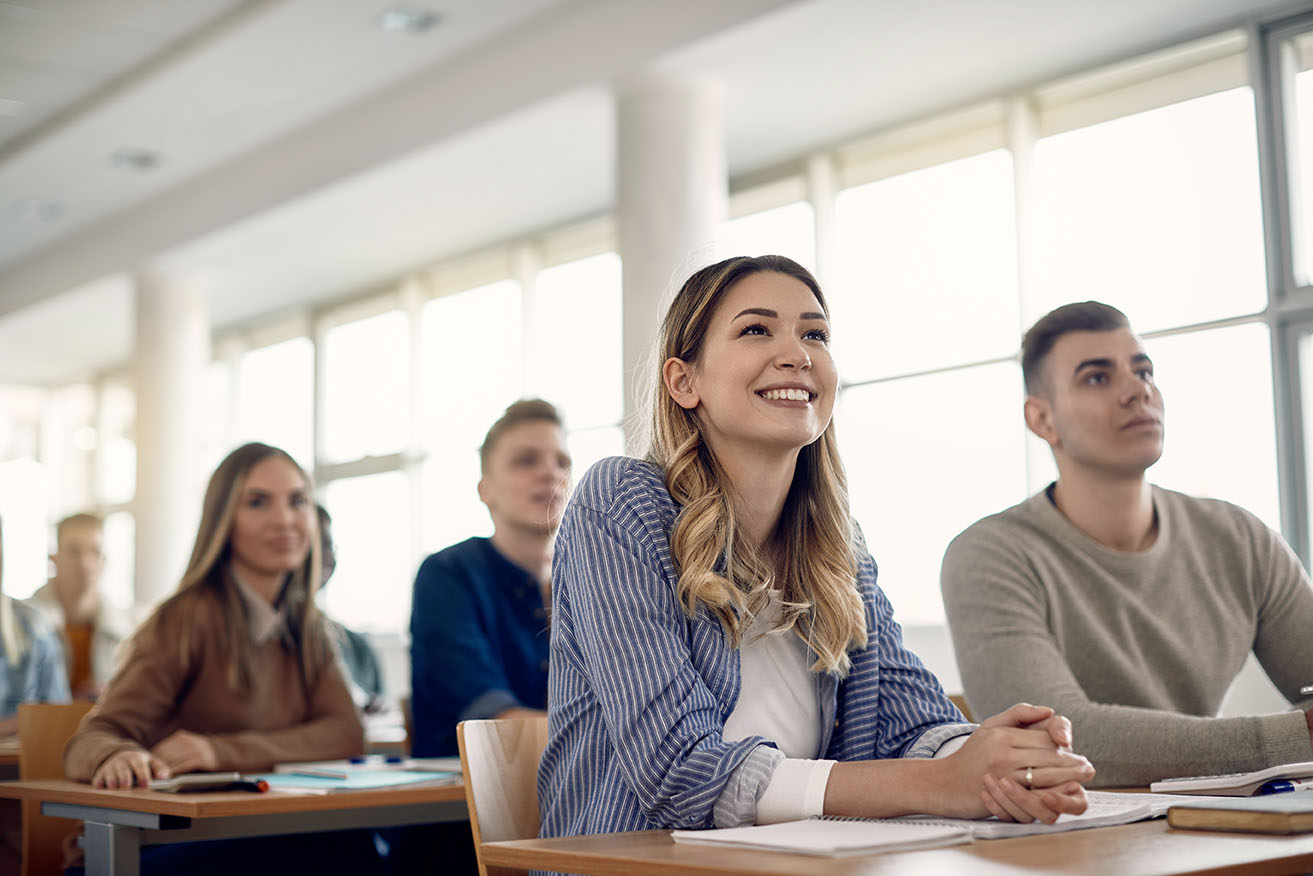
<point x="112" y="849"/>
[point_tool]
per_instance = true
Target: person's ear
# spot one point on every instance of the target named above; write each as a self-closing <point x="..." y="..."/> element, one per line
<point x="1039" y="419"/>
<point x="677" y="375"/>
<point x="483" y="493"/>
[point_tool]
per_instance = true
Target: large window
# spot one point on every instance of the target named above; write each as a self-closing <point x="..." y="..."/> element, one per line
<point x="1296" y="56"/>
<point x="469" y="339"/>
<point x="1219" y="408"/>
<point x="1156" y="213"/>
<point x="788" y="230"/>
<point x="926" y="457"/>
<point x="577" y="332"/>
<point x="367" y="387"/>
<point x="24" y="510"/>
<point x="371" y="532"/>
<point x="275" y="397"/>
<point x="927" y="269"/>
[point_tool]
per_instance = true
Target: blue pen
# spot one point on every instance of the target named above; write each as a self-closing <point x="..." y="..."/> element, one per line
<point x="1283" y="786"/>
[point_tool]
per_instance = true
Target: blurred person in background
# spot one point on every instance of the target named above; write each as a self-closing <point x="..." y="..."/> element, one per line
<point x="479" y="622"/>
<point x="479" y="625"/>
<point x="33" y="661"/>
<point x="235" y="671"/>
<point x="91" y="627"/>
<point x="31" y="670"/>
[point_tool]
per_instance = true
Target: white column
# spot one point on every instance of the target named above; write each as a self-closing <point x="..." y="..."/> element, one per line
<point x="671" y="199"/>
<point x="1023" y="132"/>
<point x="173" y="350"/>
<point x="526" y="262"/>
<point x="822" y="189"/>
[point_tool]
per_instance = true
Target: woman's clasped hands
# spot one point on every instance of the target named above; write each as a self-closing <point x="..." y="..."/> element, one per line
<point x="1020" y="767"/>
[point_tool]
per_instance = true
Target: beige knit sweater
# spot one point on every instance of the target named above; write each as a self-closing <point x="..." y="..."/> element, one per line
<point x="1137" y="649"/>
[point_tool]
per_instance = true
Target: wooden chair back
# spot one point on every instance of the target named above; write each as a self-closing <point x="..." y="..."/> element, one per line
<point x="408" y="720"/>
<point x="43" y="729"/>
<point x="500" y="762"/>
<point x="961" y="702"/>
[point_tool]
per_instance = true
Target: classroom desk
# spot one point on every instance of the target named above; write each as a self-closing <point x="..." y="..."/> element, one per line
<point x="118" y="823"/>
<point x="10" y="748"/>
<point x="1146" y="848"/>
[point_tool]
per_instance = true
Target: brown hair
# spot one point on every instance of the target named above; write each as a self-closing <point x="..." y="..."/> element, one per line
<point x="1081" y="316"/>
<point x="526" y="410"/>
<point x="817" y="565"/>
<point x="81" y="519"/>
<point x="208" y="578"/>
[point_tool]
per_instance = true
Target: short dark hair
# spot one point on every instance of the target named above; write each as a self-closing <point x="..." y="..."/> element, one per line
<point x="1080" y="316"/>
<point x="526" y="410"/>
<point x="81" y="519"/>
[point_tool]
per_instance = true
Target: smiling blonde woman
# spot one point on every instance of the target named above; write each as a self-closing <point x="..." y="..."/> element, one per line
<point x="721" y="653"/>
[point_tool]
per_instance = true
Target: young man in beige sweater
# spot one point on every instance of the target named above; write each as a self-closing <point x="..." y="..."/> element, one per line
<point x="1127" y="607"/>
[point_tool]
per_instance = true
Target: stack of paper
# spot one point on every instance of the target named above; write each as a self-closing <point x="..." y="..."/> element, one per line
<point x="829" y="837"/>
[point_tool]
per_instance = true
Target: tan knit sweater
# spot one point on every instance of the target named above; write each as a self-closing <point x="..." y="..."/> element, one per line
<point x="157" y="691"/>
<point x="1137" y="649"/>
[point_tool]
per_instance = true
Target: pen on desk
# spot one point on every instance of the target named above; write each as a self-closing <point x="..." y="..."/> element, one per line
<point x="1285" y="786"/>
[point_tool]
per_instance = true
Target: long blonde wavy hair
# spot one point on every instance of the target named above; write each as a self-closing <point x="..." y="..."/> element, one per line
<point x="814" y="565"/>
<point x="208" y="574"/>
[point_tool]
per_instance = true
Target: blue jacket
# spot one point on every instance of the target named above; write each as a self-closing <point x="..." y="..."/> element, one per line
<point x="478" y="642"/>
<point x="40" y="675"/>
<point x="639" y="693"/>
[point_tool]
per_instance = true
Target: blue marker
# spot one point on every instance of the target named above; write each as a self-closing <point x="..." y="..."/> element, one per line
<point x="1283" y="786"/>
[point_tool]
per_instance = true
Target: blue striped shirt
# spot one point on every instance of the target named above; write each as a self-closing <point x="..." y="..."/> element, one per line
<point x="638" y="693"/>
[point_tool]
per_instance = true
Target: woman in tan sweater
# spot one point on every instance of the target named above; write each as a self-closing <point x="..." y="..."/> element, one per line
<point x="235" y="670"/>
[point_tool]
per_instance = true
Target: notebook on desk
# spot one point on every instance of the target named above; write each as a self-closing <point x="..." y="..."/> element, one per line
<point x="854" y="836"/>
<point x="361" y="775"/>
<point x="829" y="837"/>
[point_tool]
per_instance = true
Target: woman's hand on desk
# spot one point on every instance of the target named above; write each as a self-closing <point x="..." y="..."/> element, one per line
<point x="185" y="752"/>
<point x="996" y="759"/>
<point x="127" y="769"/>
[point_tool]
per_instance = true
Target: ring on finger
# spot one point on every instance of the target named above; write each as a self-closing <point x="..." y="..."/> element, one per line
<point x="1030" y="777"/>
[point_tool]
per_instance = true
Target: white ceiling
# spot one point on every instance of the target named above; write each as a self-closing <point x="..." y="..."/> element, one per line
<point x="305" y="153"/>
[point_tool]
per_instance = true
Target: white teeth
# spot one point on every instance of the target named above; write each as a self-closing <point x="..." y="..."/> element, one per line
<point x="787" y="394"/>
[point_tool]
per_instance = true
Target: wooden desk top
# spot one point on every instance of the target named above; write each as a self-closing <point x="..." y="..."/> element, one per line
<point x="216" y="804"/>
<point x="10" y="748"/>
<point x="1147" y="848"/>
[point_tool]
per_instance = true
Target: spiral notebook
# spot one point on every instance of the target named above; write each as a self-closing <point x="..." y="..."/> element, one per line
<point x="858" y="836"/>
<point x="833" y="837"/>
